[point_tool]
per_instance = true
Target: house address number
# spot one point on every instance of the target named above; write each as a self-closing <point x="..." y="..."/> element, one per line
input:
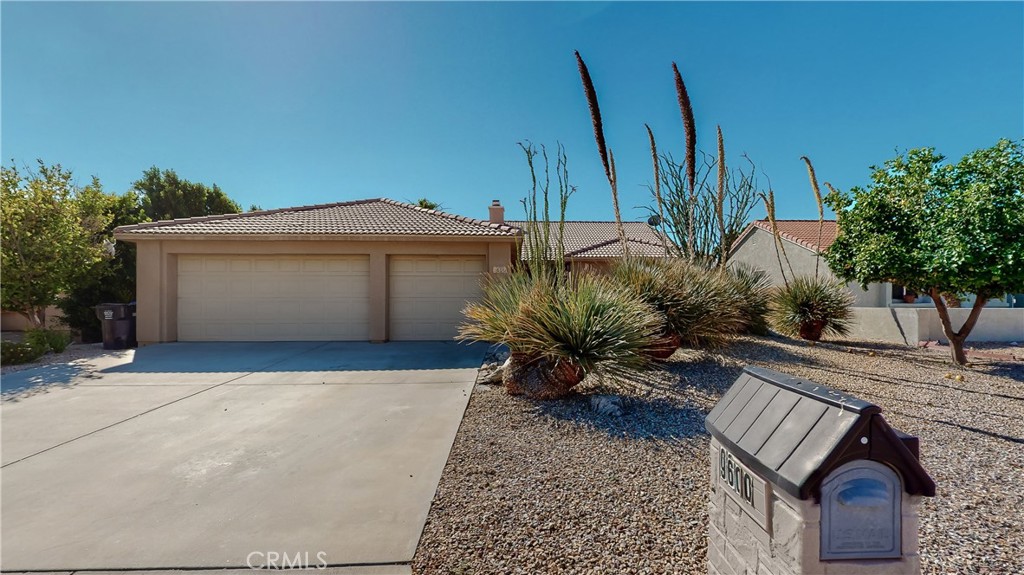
<point x="735" y="476"/>
<point x="745" y="487"/>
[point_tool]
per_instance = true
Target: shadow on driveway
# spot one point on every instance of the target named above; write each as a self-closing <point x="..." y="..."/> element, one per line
<point x="217" y="357"/>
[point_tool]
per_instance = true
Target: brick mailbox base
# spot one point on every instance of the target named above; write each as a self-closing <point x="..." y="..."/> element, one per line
<point x="738" y="543"/>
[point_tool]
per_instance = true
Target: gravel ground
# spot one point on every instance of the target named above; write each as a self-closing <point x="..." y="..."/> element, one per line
<point x="554" y="487"/>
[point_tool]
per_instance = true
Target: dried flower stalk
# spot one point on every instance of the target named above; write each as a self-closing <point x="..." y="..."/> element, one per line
<point x="607" y="160"/>
<point x="821" y="211"/>
<point x="690" y="135"/>
<point x="657" y="188"/>
<point x="720" y="200"/>
<point x="780" y="249"/>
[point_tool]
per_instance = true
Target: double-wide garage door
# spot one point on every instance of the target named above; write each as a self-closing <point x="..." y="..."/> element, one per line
<point x="281" y="298"/>
<point x="273" y="298"/>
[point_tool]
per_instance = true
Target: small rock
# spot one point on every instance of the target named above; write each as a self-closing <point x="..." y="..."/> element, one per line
<point x="492" y="373"/>
<point x="609" y="405"/>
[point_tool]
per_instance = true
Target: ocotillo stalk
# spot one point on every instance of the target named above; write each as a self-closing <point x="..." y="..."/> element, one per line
<point x="657" y="188"/>
<point x="821" y="211"/>
<point x="720" y="200"/>
<point x="602" y="148"/>
<point x="690" y="135"/>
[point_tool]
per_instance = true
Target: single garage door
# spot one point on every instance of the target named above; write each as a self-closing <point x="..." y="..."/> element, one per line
<point x="273" y="298"/>
<point x="428" y="294"/>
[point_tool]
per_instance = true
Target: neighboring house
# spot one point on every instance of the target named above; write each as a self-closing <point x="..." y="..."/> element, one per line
<point x="881" y="312"/>
<point x="374" y="270"/>
<point x="594" y="245"/>
<point x="756" y="247"/>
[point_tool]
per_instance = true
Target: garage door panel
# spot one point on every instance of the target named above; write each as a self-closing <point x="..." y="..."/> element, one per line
<point x="266" y="265"/>
<point x="428" y="293"/>
<point x="240" y="288"/>
<point x="215" y="265"/>
<point x="273" y="298"/>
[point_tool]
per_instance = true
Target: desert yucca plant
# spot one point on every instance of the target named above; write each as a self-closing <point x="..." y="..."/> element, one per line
<point x="809" y="307"/>
<point x="753" y="290"/>
<point x="649" y="281"/>
<point x="709" y="316"/>
<point x="559" y="333"/>
<point x="698" y="302"/>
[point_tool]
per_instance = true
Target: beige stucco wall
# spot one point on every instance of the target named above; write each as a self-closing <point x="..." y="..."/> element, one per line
<point x="157" y="267"/>
<point x="913" y="324"/>
<point x="14" y="321"/>
<point x="758" y="250"/>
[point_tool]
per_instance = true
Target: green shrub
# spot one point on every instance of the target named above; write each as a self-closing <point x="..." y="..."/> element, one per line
<point x="810" y="307"/>
<point x="753" y="289"/>
<point x="14" y="353"/>
<point x="48" y="339"/>
<point x="560" y="331"/>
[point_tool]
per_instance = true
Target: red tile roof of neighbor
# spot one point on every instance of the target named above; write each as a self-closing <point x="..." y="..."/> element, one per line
<point x="590" y="239"/>
<point x="379" y="216"/>
<point x="800" y="232"/>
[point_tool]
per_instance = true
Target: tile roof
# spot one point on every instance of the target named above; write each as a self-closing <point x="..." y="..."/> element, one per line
<point x="379" y="216"/>
<point x="590" y="239"/>
<point x="801" y="232"/>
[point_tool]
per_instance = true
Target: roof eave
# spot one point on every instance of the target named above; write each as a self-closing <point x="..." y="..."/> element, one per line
<point x="134" y="237"/>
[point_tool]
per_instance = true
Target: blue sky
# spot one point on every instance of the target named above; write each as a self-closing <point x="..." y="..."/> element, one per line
<point x="286" y="104"/>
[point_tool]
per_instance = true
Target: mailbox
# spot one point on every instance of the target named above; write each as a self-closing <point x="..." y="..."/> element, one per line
<point x="808" y="479"/>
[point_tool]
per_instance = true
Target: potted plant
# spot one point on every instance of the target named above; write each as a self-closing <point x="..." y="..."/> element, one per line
<point x="810" y="307"/>
<point x="909" y="296"/>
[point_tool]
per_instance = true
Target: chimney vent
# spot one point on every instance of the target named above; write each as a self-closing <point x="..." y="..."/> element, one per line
<point x="497" y="212"/>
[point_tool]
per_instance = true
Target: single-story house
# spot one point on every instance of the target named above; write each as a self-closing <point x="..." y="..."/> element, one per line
<point x="880" y="310"/>
<point x="373" y="269"/>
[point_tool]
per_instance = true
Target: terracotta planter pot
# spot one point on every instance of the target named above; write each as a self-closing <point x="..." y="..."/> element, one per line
<point x="909" y="298"/>
<point x="540" y="379"/>
<point x="811" y="330"/>
<point x="665" y="347"/>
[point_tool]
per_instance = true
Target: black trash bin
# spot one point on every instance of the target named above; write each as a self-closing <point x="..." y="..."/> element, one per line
<point x="116" y="321"/>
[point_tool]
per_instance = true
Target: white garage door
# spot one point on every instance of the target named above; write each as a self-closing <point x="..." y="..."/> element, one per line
<point x="273" y="298"/>
<point x="429" y="292"/>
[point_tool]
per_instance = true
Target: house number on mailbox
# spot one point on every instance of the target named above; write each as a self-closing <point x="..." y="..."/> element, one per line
<point x="735" y="476"/>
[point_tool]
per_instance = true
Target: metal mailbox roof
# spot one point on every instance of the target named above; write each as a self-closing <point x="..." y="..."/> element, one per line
<point x="794" y="432"/>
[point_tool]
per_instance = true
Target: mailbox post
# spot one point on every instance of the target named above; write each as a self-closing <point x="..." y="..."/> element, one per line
<point x="808" y="480"/>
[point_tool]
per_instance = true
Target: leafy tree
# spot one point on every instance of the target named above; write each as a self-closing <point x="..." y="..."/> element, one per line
<point x="109" y="280"/>
<point x="53" y="231"/>
<point x="166" y="196"/>
<point x="937" y="228"/>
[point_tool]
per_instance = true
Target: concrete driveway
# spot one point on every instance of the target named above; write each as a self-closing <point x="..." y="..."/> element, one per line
<point x="225" y="455"/>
